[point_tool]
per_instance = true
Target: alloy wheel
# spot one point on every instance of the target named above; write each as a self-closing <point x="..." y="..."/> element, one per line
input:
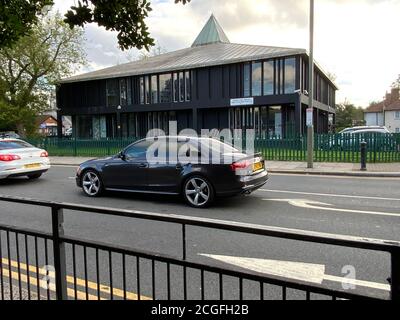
<point x="197" y="192"/>
<point x="91" y="184"/>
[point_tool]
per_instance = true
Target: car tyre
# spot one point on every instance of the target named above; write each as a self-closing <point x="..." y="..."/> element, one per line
<point x="198" y="192"/>
<point x="92" y="185"/>
<point x="34" y="176"/>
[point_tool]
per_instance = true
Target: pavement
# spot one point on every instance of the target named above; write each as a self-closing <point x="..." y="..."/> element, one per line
<point x="320" y="168"/>
<point x="354" y="206"/>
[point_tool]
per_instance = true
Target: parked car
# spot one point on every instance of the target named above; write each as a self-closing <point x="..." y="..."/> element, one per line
<point x="378" y="139"/>
<point x="19" y="158"/>
<point x="68" y="132"/>
<point x="9" y="134"/>
<point x="197" y="180"/>
<point x="350" y="130"/>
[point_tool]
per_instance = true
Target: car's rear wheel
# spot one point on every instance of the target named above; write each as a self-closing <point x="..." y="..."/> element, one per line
<point x="91" y="184"/>
<point x="198" y="192"/>
<point x="34" y="176"/>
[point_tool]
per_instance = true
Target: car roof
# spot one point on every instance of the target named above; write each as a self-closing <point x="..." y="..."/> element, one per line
<point x="371" y="130"/>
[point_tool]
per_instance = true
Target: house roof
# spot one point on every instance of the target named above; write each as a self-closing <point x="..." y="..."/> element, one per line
<point x="43" y="118"/>
<point x="211" y="48"/>
<point x="212" y="32"/>
<point x="378" y="107"/>
<point x="375" y="108"/>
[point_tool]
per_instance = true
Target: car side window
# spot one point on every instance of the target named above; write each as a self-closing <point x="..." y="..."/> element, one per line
<point x="138" y="151"/>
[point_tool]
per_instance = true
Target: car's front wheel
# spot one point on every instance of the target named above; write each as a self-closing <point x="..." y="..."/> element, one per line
<point x="198" y="192"/>
<point x="91" y="184"/>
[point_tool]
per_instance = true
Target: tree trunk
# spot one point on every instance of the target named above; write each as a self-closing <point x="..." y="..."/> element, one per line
<point x="21" y="130"/>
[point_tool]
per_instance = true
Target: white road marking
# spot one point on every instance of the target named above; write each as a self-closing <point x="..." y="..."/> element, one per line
<point x="305" y="175"/>
<point x="308" y="272"/>
<point x="65" y="166"/>
<point x="329" y="195"/>
<point x="309" y="204"/>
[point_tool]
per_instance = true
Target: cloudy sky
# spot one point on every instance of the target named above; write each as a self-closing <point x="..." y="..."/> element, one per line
<point x="357" y="40"/>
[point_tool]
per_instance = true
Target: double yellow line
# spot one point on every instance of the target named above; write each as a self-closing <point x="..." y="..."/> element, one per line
<point x="23" y="277"/>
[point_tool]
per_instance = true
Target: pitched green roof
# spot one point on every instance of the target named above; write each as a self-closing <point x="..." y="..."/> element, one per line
<point x="212" y="32"/>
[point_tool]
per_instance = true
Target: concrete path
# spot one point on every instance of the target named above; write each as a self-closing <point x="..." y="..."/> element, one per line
<point x="320" y="168"/>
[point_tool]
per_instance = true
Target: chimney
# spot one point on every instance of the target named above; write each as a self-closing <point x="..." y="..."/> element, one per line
<point x="395" y="94"/>
<point x="388" y="98"/>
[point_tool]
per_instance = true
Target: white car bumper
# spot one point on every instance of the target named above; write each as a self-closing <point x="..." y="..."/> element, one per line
<point x="20" y="169"/>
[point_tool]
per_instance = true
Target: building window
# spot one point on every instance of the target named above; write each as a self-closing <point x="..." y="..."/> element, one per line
<point x="246" y="80"/>
<point x="256" y="79"/>
<point x="268" y="78"/>
<point x="181" y="86"/>
<point x="129" y="91"/>
<point x="154" y="89"/>
<point x="123" y="92"/>
<point x="176" y="87"/>
<point x="141" y="90"/>
<point x="397" y="115"/>
<point x="397" y="130"/>
<point x="290" y="75"/>
<point x="188" y="86"/>
<point x="112" y="93"/>
<point x="165" y="87"/>
<point x="147" y="89"/>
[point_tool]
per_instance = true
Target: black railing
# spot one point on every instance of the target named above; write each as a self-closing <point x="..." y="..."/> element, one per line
<point x="134" y="274"/>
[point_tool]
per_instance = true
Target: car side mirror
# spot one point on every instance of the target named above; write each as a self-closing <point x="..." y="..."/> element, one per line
<point x="122" y="155"/>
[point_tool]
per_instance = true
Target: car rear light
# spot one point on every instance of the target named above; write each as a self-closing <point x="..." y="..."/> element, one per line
<point x="240" y="165"/>
<point x="44" y="154"/>
<point x="9" y="157"/>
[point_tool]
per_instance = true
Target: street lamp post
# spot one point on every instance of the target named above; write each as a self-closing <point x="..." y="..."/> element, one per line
<point x="310" y="111"/>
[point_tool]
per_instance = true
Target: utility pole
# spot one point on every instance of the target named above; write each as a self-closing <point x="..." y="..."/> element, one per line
<point x="310" y="110"/>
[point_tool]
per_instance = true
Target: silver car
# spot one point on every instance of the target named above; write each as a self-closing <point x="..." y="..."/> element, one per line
<point x="19" y="158"/>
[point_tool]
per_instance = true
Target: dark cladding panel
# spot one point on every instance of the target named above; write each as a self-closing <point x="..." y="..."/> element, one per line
<point x="216" y="83"/>
<point x="203" y="84"/>
<point x="233" y="81"/>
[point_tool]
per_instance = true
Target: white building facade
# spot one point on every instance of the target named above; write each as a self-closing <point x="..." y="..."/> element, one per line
<point x="385" y="113"/>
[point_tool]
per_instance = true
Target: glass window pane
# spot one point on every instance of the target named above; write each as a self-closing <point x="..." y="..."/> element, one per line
<point x="176" y="87"/>
<point x="138" y="151"/>
<point x="290" y="75"/>
<point x="165" y="87"/>
<point x="123" y="95"/>
<point x="181" y="86"/>
<point x="129" y="91"/>
<point x="154" y="89"/>
<point x="188" y="86"/>
<point x="268" y="78"/>
<point x="275" y="121"/>
<point x="147" y="87"/>
<point x="256" y="79"/>
<point x="141" y="90"/>
<point x="112" y="92"/>
<point x="246" y="80"/>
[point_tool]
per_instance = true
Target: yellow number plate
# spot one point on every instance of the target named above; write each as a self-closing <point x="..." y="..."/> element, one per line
<point x="258" y="166"/>
<point x="31" y="166"/>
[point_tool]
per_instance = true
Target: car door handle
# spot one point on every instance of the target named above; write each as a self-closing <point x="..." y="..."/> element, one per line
<point x="143" y="165"/>
<point x="179" y="166"/>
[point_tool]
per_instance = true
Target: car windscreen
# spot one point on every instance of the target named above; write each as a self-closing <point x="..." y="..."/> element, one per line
<point x="14" y="144"/>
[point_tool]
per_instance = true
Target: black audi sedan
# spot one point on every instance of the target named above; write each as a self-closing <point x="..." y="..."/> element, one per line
<point x="199" y="169"/>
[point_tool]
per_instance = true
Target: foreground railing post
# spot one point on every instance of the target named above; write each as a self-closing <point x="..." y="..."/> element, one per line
<point x="395" y="276"/>
<point x="59" y="253"/>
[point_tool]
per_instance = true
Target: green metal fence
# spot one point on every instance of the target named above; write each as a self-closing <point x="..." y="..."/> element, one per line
<point x="328" y="147"/>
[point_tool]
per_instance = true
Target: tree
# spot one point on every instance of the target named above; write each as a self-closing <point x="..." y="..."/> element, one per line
<point x="127" y="17"/>
<point x="396" y="83"/>
<point x="17" y="17"/>
<point x="347" y="115"/>
<point x="30" y="68"/>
